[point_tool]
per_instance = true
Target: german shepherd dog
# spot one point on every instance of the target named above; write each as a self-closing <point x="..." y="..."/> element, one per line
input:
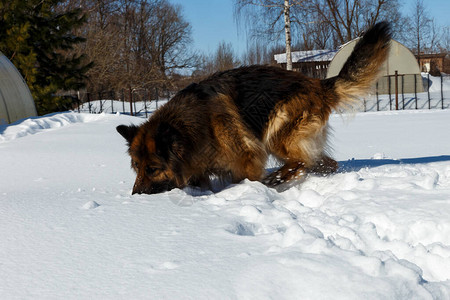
<point x="228" y="124"/>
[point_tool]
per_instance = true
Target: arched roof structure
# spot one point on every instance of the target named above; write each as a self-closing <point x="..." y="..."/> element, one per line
<point x="16" y="101"/>
<point x="400" y="59"/>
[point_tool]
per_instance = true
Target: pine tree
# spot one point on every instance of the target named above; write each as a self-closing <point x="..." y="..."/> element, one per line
<point x="37" y="37"/>
<point x="14" y="35"/>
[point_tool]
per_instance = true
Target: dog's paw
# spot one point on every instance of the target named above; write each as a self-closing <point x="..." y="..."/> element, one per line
<point x="283" y="176"/>
<point x="286" y="175"/>
<point x="273" y="179"/>
<point x="279" y="184"/>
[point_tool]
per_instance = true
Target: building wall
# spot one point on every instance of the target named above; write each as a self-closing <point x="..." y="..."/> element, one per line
<point x="432" y="63"/>
<point x="316" y="69"/>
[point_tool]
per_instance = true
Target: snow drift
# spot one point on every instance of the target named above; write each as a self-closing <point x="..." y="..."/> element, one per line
<point x="378" y="229"/>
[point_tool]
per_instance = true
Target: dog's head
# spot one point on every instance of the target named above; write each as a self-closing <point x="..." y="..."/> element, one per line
<point x="156" y="152"/>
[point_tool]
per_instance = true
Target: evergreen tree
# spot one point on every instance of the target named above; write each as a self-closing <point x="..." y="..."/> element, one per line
<point x="37" y="37"/>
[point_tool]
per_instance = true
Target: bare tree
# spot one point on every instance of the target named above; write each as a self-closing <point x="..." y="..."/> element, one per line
<point x="159" y="37"/>
<point x="445" y="47"/>
<point x="266" y="17"/>
<point x="436" y="37"/>
<point x="419" y="26"/>
<point x="223" y="59"/>
<point x="172" y="37"/>
<point x="102" y="45"/>
<point x="135" y="43"/>
<point x="313" y="32"/>
<point x="348" y="19"/>
<point x="445" y="40"/>
<point x="257" y="54"/>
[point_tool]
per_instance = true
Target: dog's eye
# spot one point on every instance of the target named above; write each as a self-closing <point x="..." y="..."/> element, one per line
<point x="135" y="164"/>
<point x="151" y="170"/>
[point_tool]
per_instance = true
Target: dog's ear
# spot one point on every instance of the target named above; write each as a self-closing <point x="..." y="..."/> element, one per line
<point x="201" y="91"/>
<point x="169" y="141"/>
<point x="206" y="91"/>
<point x="128" y="132"/>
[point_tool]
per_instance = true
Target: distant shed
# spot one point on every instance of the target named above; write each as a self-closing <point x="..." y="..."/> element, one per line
<point x="312" y="63"/>
<point x="432" y="63"/>
<point x="16" y="101"/>
<point x="400" y="59"/>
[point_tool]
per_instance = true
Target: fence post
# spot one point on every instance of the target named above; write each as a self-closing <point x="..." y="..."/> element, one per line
<point x="78" y="101"/>
<point x="89" y="101"/>
<point x="428" y="88"/>
<point x="157" y="97"/>
<point x="123" y="100"/>
<point x="130" y="93"/>
<point x="378" y="102"/>
<point x="389" y="88"/>
<point x="403" y="91"/>
<point x="442" y="92"/>
<point x="100" y="96"/>
<point x="396" y="90"/>
<point x="112" y="95"/>
<point x="415" y="88"/>
<point x="145" y="102"/>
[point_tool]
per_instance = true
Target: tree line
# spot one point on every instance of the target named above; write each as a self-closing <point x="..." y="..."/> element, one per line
<point x="109" y="45"/>
<point x="327" y="24"/>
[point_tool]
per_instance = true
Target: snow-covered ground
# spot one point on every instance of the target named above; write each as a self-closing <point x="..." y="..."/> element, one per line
<point x="378" y="229"/>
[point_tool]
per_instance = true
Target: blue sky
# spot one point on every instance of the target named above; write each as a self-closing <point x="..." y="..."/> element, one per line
<point x="212" y="21"/>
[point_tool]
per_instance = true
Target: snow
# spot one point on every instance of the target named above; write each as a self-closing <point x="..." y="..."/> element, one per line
<point x="377" y="229"/>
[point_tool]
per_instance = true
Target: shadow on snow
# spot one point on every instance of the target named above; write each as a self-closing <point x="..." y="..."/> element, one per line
<point x="358" y="164"/>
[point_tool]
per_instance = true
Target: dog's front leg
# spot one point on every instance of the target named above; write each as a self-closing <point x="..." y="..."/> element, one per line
<point x="202" y="181"/>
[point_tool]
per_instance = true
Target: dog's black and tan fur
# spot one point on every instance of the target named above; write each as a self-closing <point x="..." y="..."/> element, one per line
<point x="228" y="124"/>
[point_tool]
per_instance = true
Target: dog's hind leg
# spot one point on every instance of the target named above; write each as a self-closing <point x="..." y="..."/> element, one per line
<point x="301" y="146"/>
<point x="296" y="170"/>
<point x="291" y="170"/>
<point x="326" y="165"/>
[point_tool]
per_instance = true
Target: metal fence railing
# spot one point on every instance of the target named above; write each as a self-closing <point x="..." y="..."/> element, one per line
<point x="410" y="91"/>
<point x="136" y="102"/>
<point x="394" y="92"/>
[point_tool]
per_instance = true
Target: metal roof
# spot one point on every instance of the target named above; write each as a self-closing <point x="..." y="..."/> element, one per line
<point x="307" y="56"/>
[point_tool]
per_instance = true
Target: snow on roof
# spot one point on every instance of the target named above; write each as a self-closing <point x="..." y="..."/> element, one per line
<point x="307" y="56"/>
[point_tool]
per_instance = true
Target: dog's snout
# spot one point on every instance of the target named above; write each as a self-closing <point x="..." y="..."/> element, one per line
<point x="136" y="191"/>
<point x="138" y="187"/>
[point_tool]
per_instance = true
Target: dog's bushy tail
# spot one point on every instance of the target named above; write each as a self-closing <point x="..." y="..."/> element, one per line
<point x="362" y="68"/>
